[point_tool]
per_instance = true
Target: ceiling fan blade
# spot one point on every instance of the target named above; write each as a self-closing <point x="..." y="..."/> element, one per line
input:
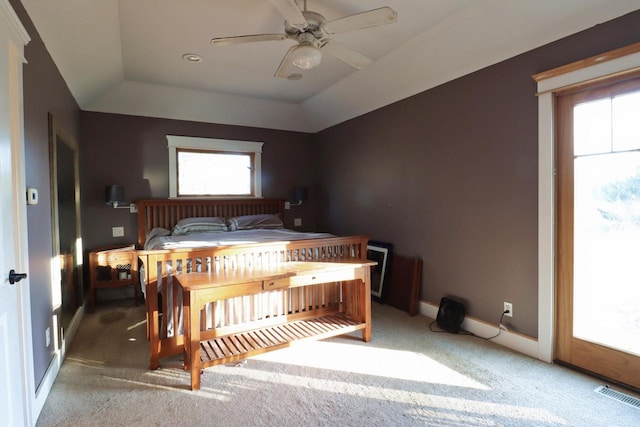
<point x="291" y="12"/>
<point x="345" y="54"/>
<point x="373" y="18"/>
<point x="286" y="69"/>
<point x="224" y="41"/>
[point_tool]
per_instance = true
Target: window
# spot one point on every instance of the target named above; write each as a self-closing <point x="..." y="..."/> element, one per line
<point x="214" y="167"/>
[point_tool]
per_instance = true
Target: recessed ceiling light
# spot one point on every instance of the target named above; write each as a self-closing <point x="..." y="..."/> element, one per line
<point x="192" y="57"/>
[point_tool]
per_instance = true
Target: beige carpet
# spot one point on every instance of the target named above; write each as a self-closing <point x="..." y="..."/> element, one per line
<point x="406" y="375"/>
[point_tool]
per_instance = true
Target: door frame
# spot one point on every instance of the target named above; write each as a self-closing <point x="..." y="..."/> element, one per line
<point x="17" y="38"/>
<point x="583" y="353"/>
<point x="617" y="62"/>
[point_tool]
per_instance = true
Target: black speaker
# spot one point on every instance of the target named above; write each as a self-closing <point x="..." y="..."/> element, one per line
<point x="450" y="315"/>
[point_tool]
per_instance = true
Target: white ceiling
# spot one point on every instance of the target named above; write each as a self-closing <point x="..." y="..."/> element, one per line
<point x="125" y="56"/>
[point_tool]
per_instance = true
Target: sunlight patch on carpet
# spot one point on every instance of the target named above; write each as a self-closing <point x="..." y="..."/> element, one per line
<point x="420" y="401"/>
<point x="204" y="392"/>
<point x="367" y="360"/>
<point x="137" y="325"/>
<point x="87" y="363"/>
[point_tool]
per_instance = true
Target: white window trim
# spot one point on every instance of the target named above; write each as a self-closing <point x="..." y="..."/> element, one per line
<point x="546" y="187"/>
<point x="176" y="142"/>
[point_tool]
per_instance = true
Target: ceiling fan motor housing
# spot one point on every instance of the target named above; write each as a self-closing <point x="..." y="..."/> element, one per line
<point x="314" y="26"/>
<point x="307" y="38"/>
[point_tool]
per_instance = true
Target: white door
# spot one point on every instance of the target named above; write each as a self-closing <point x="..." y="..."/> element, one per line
<point x="16" y="366"/>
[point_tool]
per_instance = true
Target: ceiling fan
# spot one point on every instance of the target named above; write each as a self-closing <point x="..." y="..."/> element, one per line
<point x="310" y="30"/>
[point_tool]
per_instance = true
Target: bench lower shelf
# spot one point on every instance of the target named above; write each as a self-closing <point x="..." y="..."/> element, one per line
<point x="236" y="347"/>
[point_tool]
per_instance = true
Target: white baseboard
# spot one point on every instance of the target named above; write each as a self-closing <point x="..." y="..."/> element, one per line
<point x="54" y="367"/>
<point x="514" y="341"/>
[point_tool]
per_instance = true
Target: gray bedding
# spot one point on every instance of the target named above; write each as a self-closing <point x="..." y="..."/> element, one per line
<point x="226" y="238"/>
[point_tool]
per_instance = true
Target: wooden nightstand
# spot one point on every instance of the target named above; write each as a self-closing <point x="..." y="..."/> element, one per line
<point x="113" y="267"/>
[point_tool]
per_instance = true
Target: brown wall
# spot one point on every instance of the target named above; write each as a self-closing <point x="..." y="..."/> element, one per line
<point x="132" y="151"/>
<point x="450" y="175"/>
<point x="44" y="91"/>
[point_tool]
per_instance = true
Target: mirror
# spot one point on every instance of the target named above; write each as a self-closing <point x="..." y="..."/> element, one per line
<point x="65" y="215"/>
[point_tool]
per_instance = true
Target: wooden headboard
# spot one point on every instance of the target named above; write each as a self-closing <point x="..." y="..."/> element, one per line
<point x="166" y="213"/>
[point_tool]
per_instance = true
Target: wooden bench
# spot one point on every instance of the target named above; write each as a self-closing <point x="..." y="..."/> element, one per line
<point x="326" y="299"/>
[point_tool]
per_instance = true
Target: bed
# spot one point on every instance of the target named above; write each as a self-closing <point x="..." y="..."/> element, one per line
<point x="321" y="309"/>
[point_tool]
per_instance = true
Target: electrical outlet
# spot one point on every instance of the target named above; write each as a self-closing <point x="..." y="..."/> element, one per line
<point x="297" y="222"/>
<point x="47" y="336"/>
<point x="117" y="231"/>
<point x="508" y="306"/>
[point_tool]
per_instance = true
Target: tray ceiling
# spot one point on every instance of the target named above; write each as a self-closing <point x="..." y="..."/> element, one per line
<point x="126" y="56"/>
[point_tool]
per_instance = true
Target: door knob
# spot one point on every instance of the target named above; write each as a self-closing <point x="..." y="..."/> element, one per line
<point x="16" y="277"/>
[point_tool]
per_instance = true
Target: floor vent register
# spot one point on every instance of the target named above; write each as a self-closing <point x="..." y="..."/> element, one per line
<point x="621" y="397"/>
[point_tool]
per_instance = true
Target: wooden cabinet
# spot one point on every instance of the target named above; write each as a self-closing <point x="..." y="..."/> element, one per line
<point x="113" y="267"/>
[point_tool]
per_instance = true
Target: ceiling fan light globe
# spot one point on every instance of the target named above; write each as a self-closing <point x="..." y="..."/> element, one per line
<point x="306" y="57"/>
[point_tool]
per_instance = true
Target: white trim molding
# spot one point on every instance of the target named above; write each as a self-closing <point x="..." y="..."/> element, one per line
<point x="46" y="384"/>
<point x="17" y="31"/>
<point x="13" y="38"/>
<point x="175" y="142"/>
<point x="547" y="87"/>
<point x="514" y="341"/>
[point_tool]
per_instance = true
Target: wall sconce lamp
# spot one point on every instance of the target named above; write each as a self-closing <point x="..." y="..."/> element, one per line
<point x="114" y="196"/>
<point x="299" y="195"/>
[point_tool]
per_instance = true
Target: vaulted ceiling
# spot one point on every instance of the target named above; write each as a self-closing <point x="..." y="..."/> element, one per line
<point x="126" y="56"/>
